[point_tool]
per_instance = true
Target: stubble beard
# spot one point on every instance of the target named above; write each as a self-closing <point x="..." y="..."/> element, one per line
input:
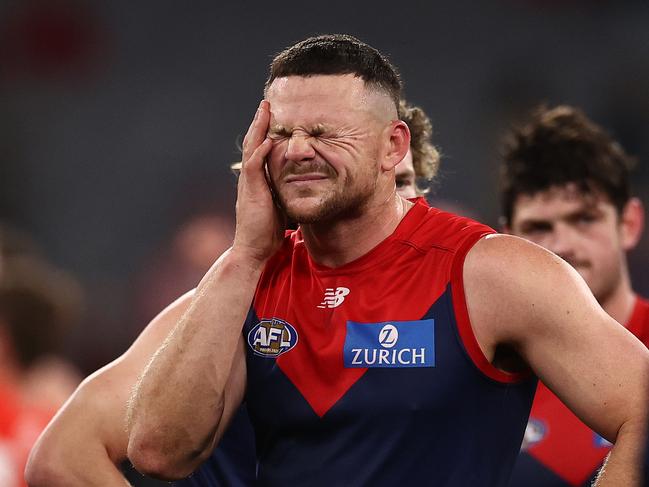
<point x="339" y="203"/>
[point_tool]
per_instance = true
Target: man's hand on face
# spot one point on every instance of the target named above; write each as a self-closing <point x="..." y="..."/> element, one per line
<point x="260" y="224"/>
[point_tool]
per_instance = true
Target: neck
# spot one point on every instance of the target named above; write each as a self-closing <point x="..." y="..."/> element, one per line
<point x="620" y="303"/>
<point x="338" y="243"/>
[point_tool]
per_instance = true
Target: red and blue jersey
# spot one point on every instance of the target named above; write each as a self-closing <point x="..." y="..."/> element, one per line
<point x="370" y="374"/>
<point x="559" y="450"/>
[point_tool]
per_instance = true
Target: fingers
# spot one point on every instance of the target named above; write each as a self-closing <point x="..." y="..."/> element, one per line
<point x="256" y="160"/>
<point x="257" y="130"/>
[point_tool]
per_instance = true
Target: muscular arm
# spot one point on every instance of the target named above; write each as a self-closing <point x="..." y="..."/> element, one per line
<point x="195" y="381"/>
<point x="197" y="378"/>
<point x="532" y="302"/>
<point x="87" y="438"/>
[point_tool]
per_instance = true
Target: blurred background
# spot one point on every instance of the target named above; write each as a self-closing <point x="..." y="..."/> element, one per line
<point x="118" y="122"/>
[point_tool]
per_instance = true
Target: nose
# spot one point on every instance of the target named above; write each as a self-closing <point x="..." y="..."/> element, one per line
<point x="299" y="148"/>
<point x="562" y="241"/>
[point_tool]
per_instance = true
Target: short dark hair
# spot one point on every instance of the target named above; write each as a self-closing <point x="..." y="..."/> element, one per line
<point x="559" y="146"/>
<point x="425" y="156"/>
<point x="337" y="54"/>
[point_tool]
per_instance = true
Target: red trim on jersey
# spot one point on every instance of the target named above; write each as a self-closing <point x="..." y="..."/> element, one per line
<point x="638" y="323"/>
<point x="464" y="327"/>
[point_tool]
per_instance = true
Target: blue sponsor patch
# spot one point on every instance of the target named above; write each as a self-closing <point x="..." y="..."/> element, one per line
<point x="271" y="338"/>
<point x="390" y="344"/>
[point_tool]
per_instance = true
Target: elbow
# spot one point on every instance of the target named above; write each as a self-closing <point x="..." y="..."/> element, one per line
<point x="150" y="457"/>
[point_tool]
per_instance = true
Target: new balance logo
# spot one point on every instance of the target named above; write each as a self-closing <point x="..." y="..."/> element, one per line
<point x="334" y="297"/>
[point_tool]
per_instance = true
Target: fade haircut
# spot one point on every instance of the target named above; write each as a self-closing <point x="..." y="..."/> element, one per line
<point x="337" y="54"/>
<point x="425" y="156"/>
<point x="560" y="146"/>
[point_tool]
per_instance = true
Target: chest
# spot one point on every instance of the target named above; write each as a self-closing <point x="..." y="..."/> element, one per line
<point x="336" y="344"/>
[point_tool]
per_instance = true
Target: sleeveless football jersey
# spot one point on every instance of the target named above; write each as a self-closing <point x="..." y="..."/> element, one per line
<point x="559" y="450"/>
<point x="370" y="374"/>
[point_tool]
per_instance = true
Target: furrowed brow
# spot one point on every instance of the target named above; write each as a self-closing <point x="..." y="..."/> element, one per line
<point x="279" y="130"/>
<point x="314" y="131"/>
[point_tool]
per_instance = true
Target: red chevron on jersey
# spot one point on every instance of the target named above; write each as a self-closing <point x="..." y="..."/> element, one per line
<point x="327" y="299"/>
<point x="322" y="300"/>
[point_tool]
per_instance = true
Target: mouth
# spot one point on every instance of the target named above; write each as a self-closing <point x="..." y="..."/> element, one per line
<point x="305" y="178"/>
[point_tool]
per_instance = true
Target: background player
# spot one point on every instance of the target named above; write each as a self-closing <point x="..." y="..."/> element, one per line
<point x="416" y="171"/>
<point x="566" y="188"/>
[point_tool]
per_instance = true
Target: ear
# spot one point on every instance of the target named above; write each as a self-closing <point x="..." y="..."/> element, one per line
<point x="631" y="223"/>
<point x="398" y="143"/>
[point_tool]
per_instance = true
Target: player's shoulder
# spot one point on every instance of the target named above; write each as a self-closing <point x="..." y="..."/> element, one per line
<point x="508" y="255"/>
<point x="435" y="228"/>
<point x="507" y="269"/>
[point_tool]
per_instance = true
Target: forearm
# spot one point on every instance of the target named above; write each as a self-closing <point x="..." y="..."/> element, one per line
<point x="623" y="465"/>
<point x="177" y="405"/>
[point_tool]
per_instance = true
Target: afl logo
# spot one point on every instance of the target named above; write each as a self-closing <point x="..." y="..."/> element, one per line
<point x="388" y="336"/>
<point x="271" y="338"/>
<point x="534" y="433"/>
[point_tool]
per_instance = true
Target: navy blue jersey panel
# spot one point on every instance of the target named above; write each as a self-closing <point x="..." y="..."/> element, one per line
<point x="233" y="462"/>
<point x="529" y="472"/>
<point x="446" y="425"/>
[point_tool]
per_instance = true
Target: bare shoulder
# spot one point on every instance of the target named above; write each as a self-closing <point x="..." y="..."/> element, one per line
<point x="507" y="252"/>
<point x="504" y="266"/>
<point x="516" y="289"/>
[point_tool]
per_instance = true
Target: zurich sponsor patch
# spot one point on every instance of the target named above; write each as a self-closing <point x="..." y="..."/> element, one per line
<point x="390" y="344"/>
<point x="271" y="338"/>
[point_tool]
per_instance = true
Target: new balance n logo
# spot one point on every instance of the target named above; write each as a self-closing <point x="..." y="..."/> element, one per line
<point x="334" y="297"/>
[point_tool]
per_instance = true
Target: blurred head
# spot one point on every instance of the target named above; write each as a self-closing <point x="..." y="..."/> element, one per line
<point x="419" y="167"/>
<point x="565" y="186"/>
<point x="37" y="304"/>
<point x="335" y="128"/>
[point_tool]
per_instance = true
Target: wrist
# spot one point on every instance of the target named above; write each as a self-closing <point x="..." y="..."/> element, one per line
<point x="247" y="257"/>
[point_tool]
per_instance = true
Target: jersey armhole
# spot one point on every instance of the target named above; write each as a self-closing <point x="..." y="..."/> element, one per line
<point x="464" y="328"/>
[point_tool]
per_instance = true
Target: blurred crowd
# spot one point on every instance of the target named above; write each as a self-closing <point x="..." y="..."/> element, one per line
<point x="38" y="305"/>
<point x="41" y="304"/>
